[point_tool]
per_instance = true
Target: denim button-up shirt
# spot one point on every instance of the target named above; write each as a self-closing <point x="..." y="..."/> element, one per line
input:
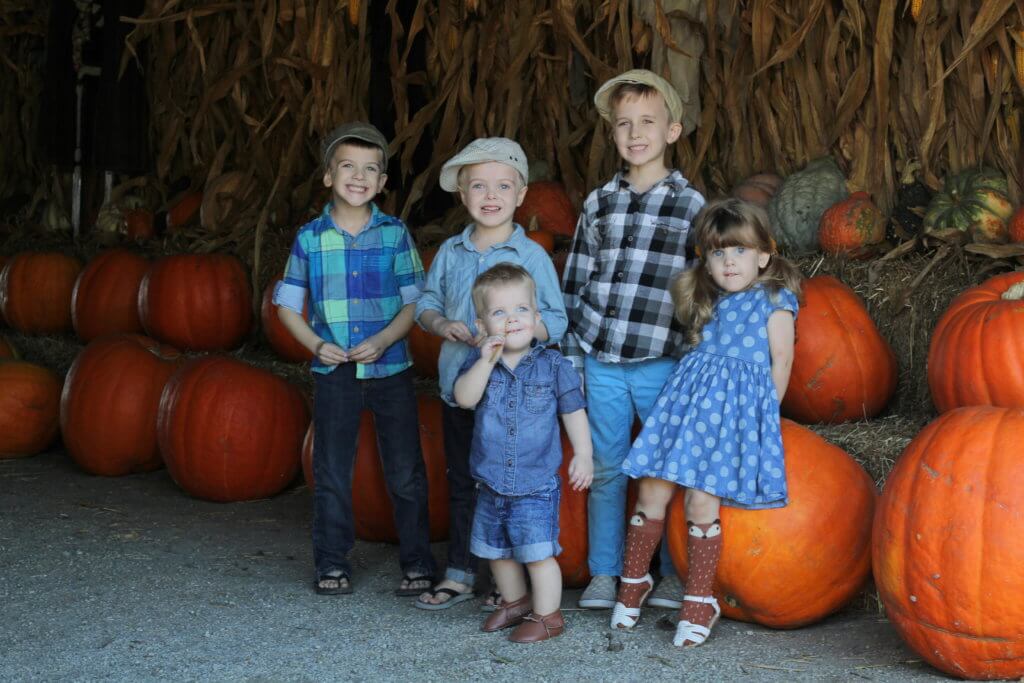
<point x="517" y="447"/>
<point x="450" y="282"/>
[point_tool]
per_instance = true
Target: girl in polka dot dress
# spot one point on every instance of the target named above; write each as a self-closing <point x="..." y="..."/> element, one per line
<point x="714" y="429"/>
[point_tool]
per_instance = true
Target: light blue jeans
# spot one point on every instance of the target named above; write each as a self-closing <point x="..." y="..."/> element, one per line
<point x="616" y="394"/>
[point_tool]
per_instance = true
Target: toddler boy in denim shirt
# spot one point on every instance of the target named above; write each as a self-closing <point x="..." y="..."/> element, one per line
<point x="518" y="389"/>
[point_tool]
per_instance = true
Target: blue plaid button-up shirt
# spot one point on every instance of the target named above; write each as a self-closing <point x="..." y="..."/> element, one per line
<point x="356" y="285"/>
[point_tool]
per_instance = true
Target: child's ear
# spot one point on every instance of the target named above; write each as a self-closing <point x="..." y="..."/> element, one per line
<point x="382" y="181"/>
<point x="762" y="260"/>
<point x="522" y="195"/>
<point x="674" y="131"/>
<point x="328" y="179"/>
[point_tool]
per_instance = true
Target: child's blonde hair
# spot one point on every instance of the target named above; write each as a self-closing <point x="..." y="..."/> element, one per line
<point x="497" y="276"/>
<point x="727" y="223"/>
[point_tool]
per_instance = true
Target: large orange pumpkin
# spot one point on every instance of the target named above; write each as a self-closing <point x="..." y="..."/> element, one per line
<point x="572" y="526"/>
<point x="228" y="431"/>
<point x="371" y="507"/>
<point x="852" y="226"/>
<point x="545" y="238"/>
<point x="948" y="550"/>
<point x="976" y="356"/>
<point x="109" y="404"/>
<point x="280" y="339"/>
<point x="197" y="302"/>
<point x="29" y="402"/>
<point x="35" y="291"/>
<point x="791" y="566"/>
<point x="424" y="347"/>
<point x="547" y="202"/>
<point x="842" y="367"/>
<point x="106" y="294"/>
<point x="3" y="262"/>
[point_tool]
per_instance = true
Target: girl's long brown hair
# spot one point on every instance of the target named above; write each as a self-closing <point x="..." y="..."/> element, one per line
<point x="727" y="223"/>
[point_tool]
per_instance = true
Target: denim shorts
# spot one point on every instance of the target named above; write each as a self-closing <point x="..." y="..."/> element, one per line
<point x="523" y="528"/>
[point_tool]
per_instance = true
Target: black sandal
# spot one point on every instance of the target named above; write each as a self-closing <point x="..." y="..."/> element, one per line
<point x="410" y="591"/>
<point x="339" y="589"/>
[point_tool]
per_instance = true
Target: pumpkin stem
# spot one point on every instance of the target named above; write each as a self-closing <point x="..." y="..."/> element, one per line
<point x="1015" y="293"/>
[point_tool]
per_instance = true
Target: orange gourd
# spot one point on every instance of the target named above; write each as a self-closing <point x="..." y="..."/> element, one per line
<point x="228" y="431"/>
<point x="843" y="369"/>
<point x="196" y="302"/>
<point x="1016" y="227"/>
<point x="424" y="347"/>
<point x="947" y="551"/>
<point x="139" y="224"/>
<point x="109" y="404"/>
<point x="29" y="401"/>
<point x="547" y="202"/>
<point x="371" y="507"/>
<point x="976" y="355"/>
<point x="35" y="291"/>
<point x="106" y="294"/>
<point x="851" y="226"/>
<point x="278" y="336"/>
<point x="544" y="238"/>
<point x="791" y="566"/>
<point x="758" y="189"/>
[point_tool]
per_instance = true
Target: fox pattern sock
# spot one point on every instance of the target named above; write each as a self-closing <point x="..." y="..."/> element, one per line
<point x="703" y="548"/>
<point x="641" y="542"/>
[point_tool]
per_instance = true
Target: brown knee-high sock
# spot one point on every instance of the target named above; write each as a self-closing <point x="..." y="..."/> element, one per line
<point x="641" y="542"/>
<point x="703" y="548"/>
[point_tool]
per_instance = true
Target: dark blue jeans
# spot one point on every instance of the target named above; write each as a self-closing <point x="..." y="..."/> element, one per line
<point x="457" y="424"/>
<point x="338" y="402"/>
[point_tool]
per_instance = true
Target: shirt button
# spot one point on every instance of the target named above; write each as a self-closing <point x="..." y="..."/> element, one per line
<point x="510" y="463"/>
<point x="511" y="404"/>
<point x="355" y="329"/>
<point x="612" y="312"/>
<point x="630" y="239"/>
<point x="355" y="273"/>
<point x="355" y="301"/>
<point x="618" y="276"/>
<point x="511" y="431"/>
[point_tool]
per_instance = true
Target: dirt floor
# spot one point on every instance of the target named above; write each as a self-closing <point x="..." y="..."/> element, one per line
<point x="131" y="579"/>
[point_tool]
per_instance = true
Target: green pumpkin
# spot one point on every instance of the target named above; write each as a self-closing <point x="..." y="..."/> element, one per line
<point x="796" y="209"/>
<point x="975" y="202"/>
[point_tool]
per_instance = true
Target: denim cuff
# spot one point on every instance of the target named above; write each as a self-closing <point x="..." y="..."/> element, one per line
<point x="460" y="576"/>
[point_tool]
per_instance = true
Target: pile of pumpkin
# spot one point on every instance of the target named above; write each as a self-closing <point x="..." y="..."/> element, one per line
<point x="943" y="538"/>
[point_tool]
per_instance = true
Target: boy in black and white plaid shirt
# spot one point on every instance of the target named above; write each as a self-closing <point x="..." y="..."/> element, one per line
<point x="629" y="244"/>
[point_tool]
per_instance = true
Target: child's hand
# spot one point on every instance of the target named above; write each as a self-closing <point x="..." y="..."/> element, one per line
<point x="490" y="348"/>
<point x="368" y="351"/>
<point x="332" y="354"/>
<point x="453" y="330"/>
<point x="581" y="472"/>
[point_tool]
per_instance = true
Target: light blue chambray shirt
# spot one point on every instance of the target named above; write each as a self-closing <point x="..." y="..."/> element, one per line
<point x="450" y="282"/>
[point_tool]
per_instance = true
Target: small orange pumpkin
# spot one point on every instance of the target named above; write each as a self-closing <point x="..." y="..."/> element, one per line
<point x="758" y="189"/>
<point x="139" y="224"/>
<point x="843" y="369"/>
<point x="7" y="350"/>
<point x="852" y="226"/>
<point x="976" y="356"/>
<point x="1016" y="227"/>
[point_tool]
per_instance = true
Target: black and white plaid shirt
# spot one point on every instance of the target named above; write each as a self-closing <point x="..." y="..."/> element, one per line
<point x="626" y="250"/>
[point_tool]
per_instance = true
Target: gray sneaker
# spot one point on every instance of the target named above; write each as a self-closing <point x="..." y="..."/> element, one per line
<point x="668" y="594"/>
<point x="600" y="594"/>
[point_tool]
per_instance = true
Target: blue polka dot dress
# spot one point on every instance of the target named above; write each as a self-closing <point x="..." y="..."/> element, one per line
<point x="715" y="426"/>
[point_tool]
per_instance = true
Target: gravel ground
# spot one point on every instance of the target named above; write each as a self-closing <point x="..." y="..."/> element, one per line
<point x="130" y="579"/>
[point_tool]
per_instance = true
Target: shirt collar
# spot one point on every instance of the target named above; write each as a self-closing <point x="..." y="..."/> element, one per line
<point x="673" y="181"/>
<point x="377" y="218"/>
<point x="517" y="241"/>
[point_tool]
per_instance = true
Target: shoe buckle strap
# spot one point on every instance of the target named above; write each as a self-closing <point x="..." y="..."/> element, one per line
<point x="646" y="578"/>
<point x="706" y="599"/>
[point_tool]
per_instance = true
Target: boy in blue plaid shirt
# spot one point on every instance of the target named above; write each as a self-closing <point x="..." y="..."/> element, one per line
<point x="361" y="272"/>
<point x="629" y="244"/>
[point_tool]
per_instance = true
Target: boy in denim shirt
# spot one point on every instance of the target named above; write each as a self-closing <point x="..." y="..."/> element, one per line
<point x="629" y="244"/>
<point x="489" y="175"/>
<point x="363" y="276"/>
<point x="518" y="389"/>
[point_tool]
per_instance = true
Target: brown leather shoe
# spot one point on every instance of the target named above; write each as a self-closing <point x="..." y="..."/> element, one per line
<point x="536" y="628"/>
<point x="507" y="614"/>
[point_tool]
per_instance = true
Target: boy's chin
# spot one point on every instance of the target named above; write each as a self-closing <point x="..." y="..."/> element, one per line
<point x="352" y="202"/>
<point x="491" y="221"/>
